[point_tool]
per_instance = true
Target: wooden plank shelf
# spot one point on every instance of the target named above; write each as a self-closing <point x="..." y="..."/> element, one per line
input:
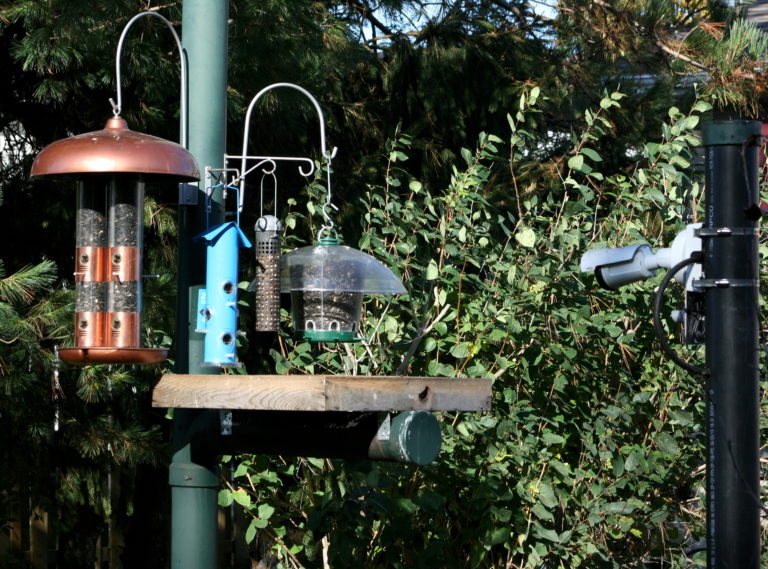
<point x="322" y="393"/>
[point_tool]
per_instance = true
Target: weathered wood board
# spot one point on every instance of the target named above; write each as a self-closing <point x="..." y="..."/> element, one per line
<point x="322" y="393"/>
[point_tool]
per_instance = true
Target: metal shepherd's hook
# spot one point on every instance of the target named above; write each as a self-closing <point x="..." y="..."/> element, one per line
<point x="244" y="156"/>
<point x="117" y="106"/>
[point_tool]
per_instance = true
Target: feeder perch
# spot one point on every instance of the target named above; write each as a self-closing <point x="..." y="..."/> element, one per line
<point x="111" y="167"/>
<point x="327" y="283"/>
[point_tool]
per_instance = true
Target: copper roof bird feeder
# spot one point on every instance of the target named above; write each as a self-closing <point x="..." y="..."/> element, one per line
<point x="111" y="167"/>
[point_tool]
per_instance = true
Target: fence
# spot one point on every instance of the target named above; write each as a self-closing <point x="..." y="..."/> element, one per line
<point x="30" y="539"/>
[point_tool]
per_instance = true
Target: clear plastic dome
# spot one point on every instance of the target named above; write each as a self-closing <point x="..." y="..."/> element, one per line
<point x="333" y="267"/>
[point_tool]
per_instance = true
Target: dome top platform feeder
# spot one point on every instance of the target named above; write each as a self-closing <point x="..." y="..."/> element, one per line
<point x="327" y="282"/>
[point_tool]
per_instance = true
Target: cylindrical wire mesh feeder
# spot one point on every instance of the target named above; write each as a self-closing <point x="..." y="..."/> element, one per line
<point x="266" y="284"/>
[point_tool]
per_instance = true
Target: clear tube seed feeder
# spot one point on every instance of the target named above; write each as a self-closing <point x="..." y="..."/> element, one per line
<point x="111" y="167"/>
<point x="327" y="282"/>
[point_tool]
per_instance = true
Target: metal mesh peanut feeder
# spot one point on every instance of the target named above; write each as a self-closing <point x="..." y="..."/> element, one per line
<point x="266" y="285"/>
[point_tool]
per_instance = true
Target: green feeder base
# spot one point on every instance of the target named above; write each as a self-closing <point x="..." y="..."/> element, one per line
<point x="329" y="336"/>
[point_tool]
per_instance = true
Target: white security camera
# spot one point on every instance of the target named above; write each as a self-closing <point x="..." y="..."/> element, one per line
<point x="617" y="267"/>
<point x="620" y="266"/>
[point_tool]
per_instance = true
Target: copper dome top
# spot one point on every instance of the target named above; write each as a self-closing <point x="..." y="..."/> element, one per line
<point x="116" y="149"/>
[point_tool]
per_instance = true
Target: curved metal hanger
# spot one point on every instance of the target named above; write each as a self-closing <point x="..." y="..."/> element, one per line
<point x="244" y="156"/>
<point x="117" y="107"/>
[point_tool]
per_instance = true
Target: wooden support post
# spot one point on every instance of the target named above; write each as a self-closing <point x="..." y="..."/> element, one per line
<point x="38" y="539"/>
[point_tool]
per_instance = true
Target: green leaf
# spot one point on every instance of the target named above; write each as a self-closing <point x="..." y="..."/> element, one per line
<point x="460" y="350"/>
<point x="250" y="533"/>
<point x="256" y="524"/>
<point x="526" y="237"/>
<point x="667" y="444"/>
<point x="499" y="535"/>
<point x="225" y="498"/>
<point x="405" y="506"/>
<point x="591" y="154"/>
<point x="633" y="461"/>
<point x="265" y="511"/>
<point x="548" y="534"/>
<point x="242" y="469"/>
<point x="679" y="161"/>
<point x="655" y="194"/>
<point x="547" y="496"/>
<point x="432" y="270"/>
<point x="618" y="466"/>
<point x="620" y="507"/>
<point x="542" y="513"/>
<point x="533" y="96"/>
<point x="552" y="438"/>
<point x="316" y="462"/>
<point x="576" y="162"/>
<point x="681" y="418"/>
<point x="242" y="497"/>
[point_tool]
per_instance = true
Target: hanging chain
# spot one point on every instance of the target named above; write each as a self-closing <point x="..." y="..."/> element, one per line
<point x="327" y="221"/>
<point x="57" y="393"/>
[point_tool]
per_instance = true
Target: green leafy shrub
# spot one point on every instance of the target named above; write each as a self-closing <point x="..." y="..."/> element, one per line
<point x="592" y="456"/>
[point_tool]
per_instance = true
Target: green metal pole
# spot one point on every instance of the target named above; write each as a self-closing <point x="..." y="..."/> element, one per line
<point x="193" y="477"/>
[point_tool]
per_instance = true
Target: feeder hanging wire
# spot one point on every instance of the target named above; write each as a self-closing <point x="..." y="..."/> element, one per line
<point x="117" y="107"/>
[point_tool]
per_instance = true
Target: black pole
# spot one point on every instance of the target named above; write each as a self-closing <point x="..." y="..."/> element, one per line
<point x="731" y="284"/>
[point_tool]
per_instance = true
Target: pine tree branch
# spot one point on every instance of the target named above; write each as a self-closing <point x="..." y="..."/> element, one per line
<point x="367" y="13"/>
<point x="509" y="7"/>
<point x="676" y="54"/>
<point x="651" y="37"/>
<point x="391" y="36"/>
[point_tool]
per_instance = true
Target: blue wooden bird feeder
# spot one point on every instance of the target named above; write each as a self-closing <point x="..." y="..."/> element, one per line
<point x="217" y="303"/>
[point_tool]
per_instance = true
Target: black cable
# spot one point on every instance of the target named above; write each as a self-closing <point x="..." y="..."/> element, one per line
<point x="659" y="327"/>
